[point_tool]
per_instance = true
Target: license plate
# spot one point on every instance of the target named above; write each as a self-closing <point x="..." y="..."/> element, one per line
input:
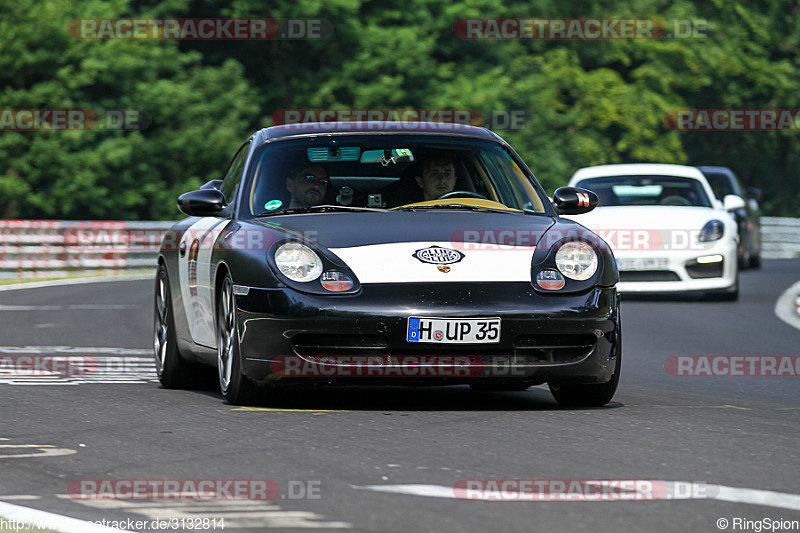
<point x="454" y="330"/>
<point x="643" y="263"/>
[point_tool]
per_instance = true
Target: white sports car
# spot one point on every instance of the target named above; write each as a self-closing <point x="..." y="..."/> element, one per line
<point x="667" y="230"/>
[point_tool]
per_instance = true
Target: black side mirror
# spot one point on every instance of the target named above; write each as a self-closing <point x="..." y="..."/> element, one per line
<point x="754" y="193"/>
<point x="202" y="202"/>
<point x="574" y="201"/>
<point x="212" y="184"/>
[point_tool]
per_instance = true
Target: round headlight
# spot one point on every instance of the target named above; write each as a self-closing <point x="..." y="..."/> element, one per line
<point x="298" y="262"/>
<point x="576" y="260"/>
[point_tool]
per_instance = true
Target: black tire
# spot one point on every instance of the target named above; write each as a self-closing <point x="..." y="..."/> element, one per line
<point x="587" y="394"/>
<point x="233" y="384"/>
<point x="755" y="261"/>
<point x="172" y="369"/>
<point x="591" y="394"/>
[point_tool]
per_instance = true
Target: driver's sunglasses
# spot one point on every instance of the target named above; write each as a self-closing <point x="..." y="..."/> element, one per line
<point x="313" y="178"/>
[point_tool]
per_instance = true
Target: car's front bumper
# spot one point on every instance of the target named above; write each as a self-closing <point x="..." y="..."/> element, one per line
<point x="363" y="337"/>
<point x="661" y="271"/>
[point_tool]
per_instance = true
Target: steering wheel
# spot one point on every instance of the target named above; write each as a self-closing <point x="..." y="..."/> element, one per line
<point x="461" y="194"/>
<point x="675" y="200"/>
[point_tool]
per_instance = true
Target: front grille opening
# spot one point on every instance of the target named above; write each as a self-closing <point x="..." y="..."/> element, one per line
<point x="708" y="270"/>
<point x="337" y="343"/>
<point x="648" y="275"/>
<point x="554" y="348"/>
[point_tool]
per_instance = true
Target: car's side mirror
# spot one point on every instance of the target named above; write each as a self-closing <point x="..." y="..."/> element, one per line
<point x="212" y="184"/>
<point x="574" y="201"/>
<point x="754" y="193"/>
<point x="202" y="202"/>
<point x="733" y="202"/>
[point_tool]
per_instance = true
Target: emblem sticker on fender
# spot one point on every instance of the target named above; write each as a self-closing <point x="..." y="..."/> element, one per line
<point x="437" y="255"/>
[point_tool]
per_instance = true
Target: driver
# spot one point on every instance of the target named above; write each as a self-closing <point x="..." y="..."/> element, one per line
<point x="307" y="186"/>
<point x="438" y="177"/>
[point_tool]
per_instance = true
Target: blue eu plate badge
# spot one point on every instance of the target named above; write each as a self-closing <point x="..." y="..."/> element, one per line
<point x="413" y="330"/>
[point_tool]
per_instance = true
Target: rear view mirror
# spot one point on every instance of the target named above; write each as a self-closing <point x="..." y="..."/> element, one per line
<point x="394" y="155"/>
<point x="733" y="202"/>
<point x="202" y="202"/>
<point x="574" y="201"/>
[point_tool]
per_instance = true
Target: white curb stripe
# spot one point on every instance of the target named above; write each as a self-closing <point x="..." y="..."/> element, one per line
<point x="704" y="491"/>
<point x="785" y="307"/>
<point x="74" y="281"/>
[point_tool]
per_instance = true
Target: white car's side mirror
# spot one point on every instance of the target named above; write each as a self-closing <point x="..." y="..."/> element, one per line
<point x="733" y="202"/>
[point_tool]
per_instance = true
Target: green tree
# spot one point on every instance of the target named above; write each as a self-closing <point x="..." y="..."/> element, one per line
<point x="199" y="116"/>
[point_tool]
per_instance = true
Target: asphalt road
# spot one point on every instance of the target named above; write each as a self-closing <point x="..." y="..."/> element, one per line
<point x="350" y="446"/>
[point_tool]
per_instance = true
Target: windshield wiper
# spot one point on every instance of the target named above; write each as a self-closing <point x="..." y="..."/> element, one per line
<point x="321" y="209"/>
<point x="454" y="206"/>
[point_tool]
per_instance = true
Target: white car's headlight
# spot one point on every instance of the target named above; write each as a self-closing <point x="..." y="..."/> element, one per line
<point x="298" y="262"/>
<point x="712" y="231"/>
<point x="576" y="260"/>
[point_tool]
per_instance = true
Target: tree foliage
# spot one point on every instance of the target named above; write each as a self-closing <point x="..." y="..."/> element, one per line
<point x="585" y="102"/>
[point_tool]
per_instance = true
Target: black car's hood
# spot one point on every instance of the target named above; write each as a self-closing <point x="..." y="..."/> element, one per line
<point x="346" y="230"/>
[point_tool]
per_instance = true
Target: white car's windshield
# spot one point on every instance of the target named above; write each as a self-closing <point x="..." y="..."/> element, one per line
<point x="647" y="190"/>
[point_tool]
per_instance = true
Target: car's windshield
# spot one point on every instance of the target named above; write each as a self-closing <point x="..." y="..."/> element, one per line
<point x="721" y="184"/>
<point x="388" y="172"/>
<point x="647" y="190"/>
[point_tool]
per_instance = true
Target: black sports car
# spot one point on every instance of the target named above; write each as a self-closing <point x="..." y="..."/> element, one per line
<point x="746" y="212"/>
<point x="411" y="253"/>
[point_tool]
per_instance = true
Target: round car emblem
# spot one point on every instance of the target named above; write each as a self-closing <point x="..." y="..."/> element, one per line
<point x="438" y="335"/>
<point x="437" y="255"/>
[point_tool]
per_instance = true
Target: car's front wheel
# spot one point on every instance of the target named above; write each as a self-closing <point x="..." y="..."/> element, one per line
<point x="586" y="394"/>
<point x="233" y="384"/>
<point x="172" y="370"/>
<point x="592" y="394"/>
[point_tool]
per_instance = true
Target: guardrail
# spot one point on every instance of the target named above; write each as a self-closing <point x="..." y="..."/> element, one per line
<point x="780" y="237"/>
<point x="41" y="248"/>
